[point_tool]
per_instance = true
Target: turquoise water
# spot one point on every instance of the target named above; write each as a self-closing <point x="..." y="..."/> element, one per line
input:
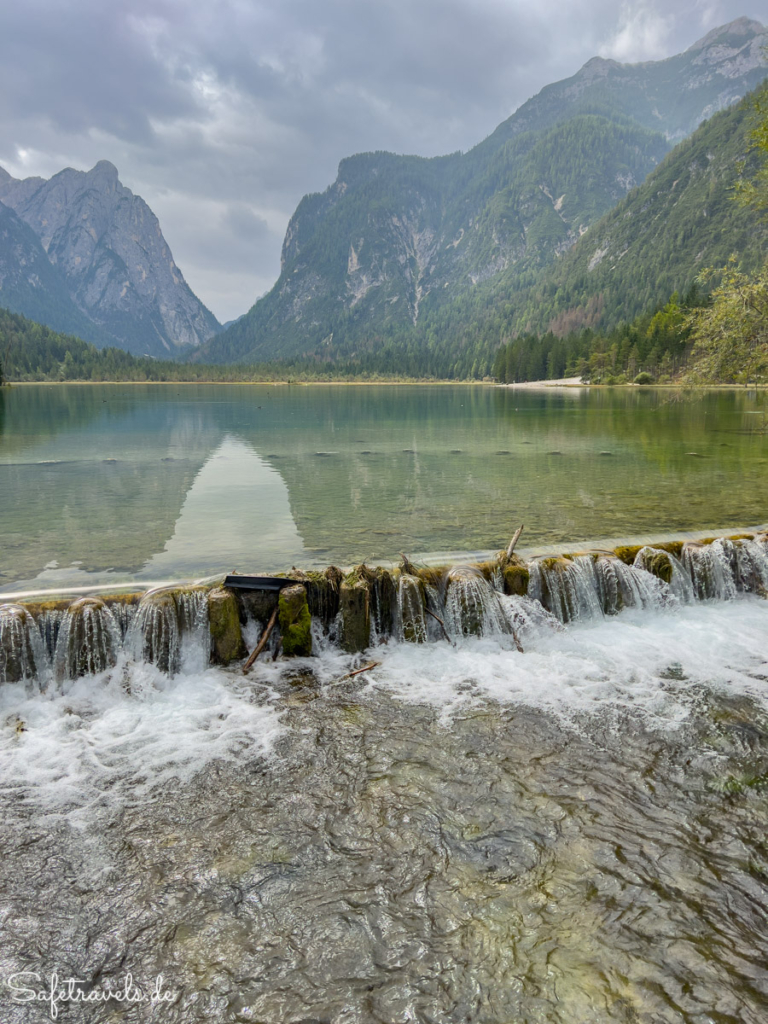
<point x="121" y="483"/>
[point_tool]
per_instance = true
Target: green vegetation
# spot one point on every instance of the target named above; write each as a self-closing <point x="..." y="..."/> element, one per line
<point x="654" y="348"/>
<point x="730" y="335"/>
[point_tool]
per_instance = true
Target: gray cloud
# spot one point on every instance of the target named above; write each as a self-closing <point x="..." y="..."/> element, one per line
<point x="222" y="115"/>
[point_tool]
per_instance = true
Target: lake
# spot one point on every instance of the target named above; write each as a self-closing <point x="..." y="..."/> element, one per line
<point x="117" y="483"/>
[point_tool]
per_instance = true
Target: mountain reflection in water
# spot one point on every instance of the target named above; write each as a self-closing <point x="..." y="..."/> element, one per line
<point x="572" y="834"/>
<point x="104" y="481"/>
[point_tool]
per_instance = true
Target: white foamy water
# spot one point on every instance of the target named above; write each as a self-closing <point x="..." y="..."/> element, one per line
<point x="115" y="738"/>
<point x="647" y="662"/>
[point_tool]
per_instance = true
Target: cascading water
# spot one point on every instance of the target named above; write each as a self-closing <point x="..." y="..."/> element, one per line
<point x="751" y="565"/>
<point x="154" y="634"/>
<point x="567" y="587"/>
<point x="123" y="613"/>
<point x="168" y="627"/>
<point x="710" y="567"/>
<point x="49" y="624"/>
<point x="725" y="568"/>
<point x="589" y="586"/>
<point x="664" y="566"/>
<point x="384" y="607"/>
<point x="163" y="620"/>
<point x="88" y="640"/>
<point x="22" y="653"/>
<point x="410" y="601"/>
<point x="472" y="605"/>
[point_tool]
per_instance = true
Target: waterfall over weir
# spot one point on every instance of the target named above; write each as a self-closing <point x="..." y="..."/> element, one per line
<point x="179" y="629"/>
<point x="87" y="637"/>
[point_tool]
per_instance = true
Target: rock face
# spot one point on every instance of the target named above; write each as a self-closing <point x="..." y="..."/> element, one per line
<point x="107" y="254"/>
<point x="395" y="238"/>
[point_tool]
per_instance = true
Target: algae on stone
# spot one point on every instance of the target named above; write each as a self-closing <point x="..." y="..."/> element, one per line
<point x="295" y="621"/>
<point x="224" y="624"/>
<point x="517" y="576"/>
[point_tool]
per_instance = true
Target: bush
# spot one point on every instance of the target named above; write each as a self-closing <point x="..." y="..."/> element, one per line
<point x="643" y="378"/>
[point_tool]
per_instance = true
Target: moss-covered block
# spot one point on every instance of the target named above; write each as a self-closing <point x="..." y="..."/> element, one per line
<point x="516" y="579"/>
<point x="224" y="624"/>
<point x="295" y="621"/>
<point x="355" y="606"/>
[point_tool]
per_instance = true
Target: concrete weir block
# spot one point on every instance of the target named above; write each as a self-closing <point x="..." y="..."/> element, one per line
<point x="517" y="576"/>
<point x="224" y="623"/>
<point x="295" y="621"/>
<point x="355" y="604"/>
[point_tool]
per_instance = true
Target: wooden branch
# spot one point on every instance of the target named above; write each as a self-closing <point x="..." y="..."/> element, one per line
<point x="518" y="645"/>
<point x="442" y="624"/>
<point x="365" y="668"/>
<point x="514" y="540"/>
<point x="262" y="642"/>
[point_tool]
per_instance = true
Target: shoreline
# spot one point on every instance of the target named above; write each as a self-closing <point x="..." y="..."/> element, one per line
<point x="528" y="385"/>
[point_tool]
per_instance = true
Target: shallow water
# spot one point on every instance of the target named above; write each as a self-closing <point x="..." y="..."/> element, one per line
<point x="576" y="833"/>
<point x="113" y="483"/>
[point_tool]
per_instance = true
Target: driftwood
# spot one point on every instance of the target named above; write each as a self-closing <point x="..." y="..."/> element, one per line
<point x="365" y="668"/>
<point x="514" y="540"/>
<point x="407" y="566"/>
<point x="442" y="624"/>
<point x="262" y="642"/>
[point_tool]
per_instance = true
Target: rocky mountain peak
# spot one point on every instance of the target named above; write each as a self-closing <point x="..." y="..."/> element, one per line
<point x="740" y="28"/>
<point x="107" y="245"/>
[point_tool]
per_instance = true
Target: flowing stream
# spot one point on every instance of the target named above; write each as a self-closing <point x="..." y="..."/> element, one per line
<point x="575" y="832"/>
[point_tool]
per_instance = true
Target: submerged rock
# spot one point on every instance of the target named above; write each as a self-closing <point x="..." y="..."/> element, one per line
<point x="295" y="621"/>
<point x="224" y="624"/>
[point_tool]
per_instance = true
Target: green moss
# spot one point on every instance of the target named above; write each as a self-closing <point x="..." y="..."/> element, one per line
<point x="658" y="563"/>
<point x="627" y="554"/>
<point x="516" y="580"/>
<point x="558" y="564"/>
<point x="295" y="621"/>
<point x="37" y="608"/>
<point x="224" y="624"/>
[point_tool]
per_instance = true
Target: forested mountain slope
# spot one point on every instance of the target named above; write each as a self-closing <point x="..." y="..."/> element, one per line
<point x="656" y="241"/>
<point x="398" y="244"/>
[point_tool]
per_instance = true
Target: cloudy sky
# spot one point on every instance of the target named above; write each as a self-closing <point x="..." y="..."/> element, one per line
<point x="223" y="114"/>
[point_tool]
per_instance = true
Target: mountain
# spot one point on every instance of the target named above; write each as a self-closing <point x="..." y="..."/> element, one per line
<point x="398" y="239"/>
<point x="28" y="281"/>
<point x="655" y="241"/>
<point x="106" y="252"/>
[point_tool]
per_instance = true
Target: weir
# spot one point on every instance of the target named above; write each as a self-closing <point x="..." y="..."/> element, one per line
<point x="52" y="643"/>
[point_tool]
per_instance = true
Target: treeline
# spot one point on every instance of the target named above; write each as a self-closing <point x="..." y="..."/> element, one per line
<point x="653" y="347"/>
<point x="32" y="352"/>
